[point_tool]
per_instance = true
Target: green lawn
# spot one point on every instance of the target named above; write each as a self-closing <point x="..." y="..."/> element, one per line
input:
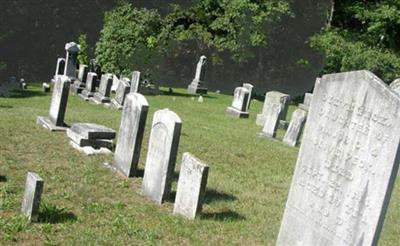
<point x="84" y="203"/>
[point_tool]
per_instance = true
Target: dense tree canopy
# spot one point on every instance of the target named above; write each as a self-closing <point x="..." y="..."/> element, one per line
<point x="231" y="26"/>
<point x="362" y="35"/>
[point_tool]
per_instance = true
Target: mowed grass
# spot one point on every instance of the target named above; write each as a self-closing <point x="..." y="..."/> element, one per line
<point x="84" y="203"/>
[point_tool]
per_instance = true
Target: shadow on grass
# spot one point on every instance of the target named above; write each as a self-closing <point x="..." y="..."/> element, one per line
<point x="214" y="195"/>
<point x="228" y="215"/>
<point x="179" y="94"/>
<point x="26" y="93"/>
<point x="5" y="106"/>
<point x="52" y="214"/>
<point x="3" y="178"/>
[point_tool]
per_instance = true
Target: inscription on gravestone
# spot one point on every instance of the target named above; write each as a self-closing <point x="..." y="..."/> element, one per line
<point x="347" y="163"/>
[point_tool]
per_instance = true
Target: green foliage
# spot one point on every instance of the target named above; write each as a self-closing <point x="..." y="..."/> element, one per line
<point x="362" y="35"/>
<point x="232" y="26"/>
<point x="83" y="57"/>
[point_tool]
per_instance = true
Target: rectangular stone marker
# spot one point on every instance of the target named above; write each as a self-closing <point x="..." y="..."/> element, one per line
<point x="130" y="134"/>
<point x="122" y="90"/>
<point x="161" y="156"/>
<point x="33" y="193"/>
<point x="82" y="141"/>
<point x="191" y="186"/>
<point x="103" y="95"/>
<point x="277" y="98"/>
<point x="272" y="120"/>
<point x="239" y="103"/>
<point x="249" y="87"/>
<point x="135" y="82"/>
<point x="295" y="128"/>
<point x="347" y="163"/>
<point x="90" y="86"/>
<point x="58" y="106"/>
<point x="93" y="131"/>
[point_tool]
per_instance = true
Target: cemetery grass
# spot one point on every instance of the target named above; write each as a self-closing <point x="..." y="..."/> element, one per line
<point x="85" y="203"/>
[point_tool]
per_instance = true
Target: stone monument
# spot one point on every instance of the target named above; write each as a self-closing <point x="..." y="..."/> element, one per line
<point x="103" y="95"/>
<point x="33" y="192"/>
<point x="272" y="113"/>
<point x="72" y="50"/>
<point x="135" y="82"/>
<point x="90" y="88"/>
<point x="249" y="87"/>
<point x="122" y="90"/>
<point x="277" y="98"/>
<point x="347" y="163"/>
<point x="238" y="108"/>
<point x="295" y="128"/>
<point x="198" y="85"/>
<point x="59" y="69"/>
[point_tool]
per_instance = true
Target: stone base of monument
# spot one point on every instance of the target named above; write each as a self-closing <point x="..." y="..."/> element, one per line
<point x="99" y="99"/>
<point x="88" y="150"/>
<point x="48" y="124"/>
<point x="197" y="90"/>
<point x="231" y="111"/>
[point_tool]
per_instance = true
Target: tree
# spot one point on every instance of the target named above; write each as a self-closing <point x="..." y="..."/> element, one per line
<point x="83" y="57"/>
<point x="362" y="35"/>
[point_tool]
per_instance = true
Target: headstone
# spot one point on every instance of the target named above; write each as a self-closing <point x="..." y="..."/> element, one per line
<point x="122" y="90"/>
<point x="276" y="98"/>
<point x="103" y="95"/>
<point x="197" y="86"/>
<point x="249" y="87"/>
<point x="238" y="108"/>
<point x="395" y="86"/>
<point x="161" y="155"/>
<point x="191" y="186"/>
<point x="200" y="99"/>
<point x="90" y="88"/>
<point x="93" y="131"/>
<point x="45" y="87"/>
<point x="60" y="66"/>
<point x="272" y="120"/>
<point x="58" y="106"/>
<point x="295" y="128"/>
<point x="115" y="83"/>
<point x="135" y="82"/>
<point x="347" y="163"/>
<point x="130" y="134"/>
<point x="307" y="102"/>
<point x="72" y="50"/>
<point x="33" y="192"/>
<point x="80" y="84"/>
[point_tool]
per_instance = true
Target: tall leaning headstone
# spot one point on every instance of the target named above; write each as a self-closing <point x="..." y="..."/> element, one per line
<point x="347" y="163"/>
<point x="272" y="121"/>
<point x="161" y="156"/>
<point x="191" y="186"/>
<point x="135" y="82"/>
<point x="130" y="135"/>
<point x="293" y="133"/>
<point x="58" y="106"/>
<point x="274" y="97"/>
<point x="197" y="86"/>
<point x="72" y="50"/>
<point x="33" y="192"/>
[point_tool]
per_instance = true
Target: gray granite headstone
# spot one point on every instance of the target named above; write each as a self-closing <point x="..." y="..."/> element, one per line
<point x="32" y="196"/>
<point x="121" y="92"/>
<point x="197" y="86"/>
<point x="272" y="120"/>
<point x="238" y="108"/>
<point x="135" y="82"/>
<point x="58" y="106"/>
<point x="130" y="136"/>
<point x="103" y="95"/>
<point x="395" y="85"/>
<point x="275" y="97"/>
<point x="295" y="128"/>
<point x="249" y="87"/>
<point x="72" y="50"/>
<point x="90" y="88"/>
<point x="161" y="155"/>
<point x="191" y="186"/>
<point x="347" y="163"/>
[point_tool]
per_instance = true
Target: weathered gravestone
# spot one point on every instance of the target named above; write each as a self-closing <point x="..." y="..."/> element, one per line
<point x="249" y="87"/>
<point x="72" y="50"/>
<point x="33" y="193"/>
<point x="197" y="86"/>
<point x="191" y="186"/>
<point x="59" y="69"/>
<point x="130" y="134"/>
<point x="295" y="128"/>
<point x="161" y="156"/>
<point x="115" y="83"/>
<point x="90" y="88"/>
<point x="395" y="85"/>
<point x="274" y="97"/>
<point x="238" y="108"/>
<point x="103" y="95"/>
<point x="347" y="163"/>
<point x="135" y="82"/>
<point x="80" y="83"/>
<point x="122" y="90"/>
<point x="307" y="101"/>
<point x="58" y="106"/>
<point x="272" y="120"/>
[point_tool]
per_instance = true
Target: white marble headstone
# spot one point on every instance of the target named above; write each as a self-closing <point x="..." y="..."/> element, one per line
<point x="135" y="82"/>
<point x="272" y="120"/>
<point x="295" y="128"/>
<point x="33" y="192"/>
<point x="59" y="100"/>
<point x="275" y="97"/>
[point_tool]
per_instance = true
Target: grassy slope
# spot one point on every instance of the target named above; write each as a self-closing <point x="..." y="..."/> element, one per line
<point x="85" y="203"/>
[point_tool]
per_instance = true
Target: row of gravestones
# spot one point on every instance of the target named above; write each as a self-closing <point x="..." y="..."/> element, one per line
<point x="161" y="156"/>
